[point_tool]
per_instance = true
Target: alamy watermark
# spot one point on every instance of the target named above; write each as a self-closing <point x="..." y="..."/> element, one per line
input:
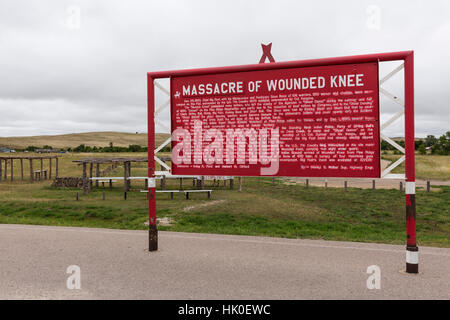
<point x="73" y="18"/>
<point x="374" y="280"/>
<point x="228" y="147"/>
<point x="73" y="282"/>
<point x="373" y="21"/>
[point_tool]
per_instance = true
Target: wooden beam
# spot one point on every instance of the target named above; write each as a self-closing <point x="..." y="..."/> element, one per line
<point x="12" y="170"/>
<point x="50" y="168"/>
<point x="31" y="171"/>
<point x="125" y="176"/>
<point x="129" y="175"/>
<point x="90" y="176"/>
<point x="84" y="179"/>
<point x="56" y="174"/>
<point x="21" y="169"/>
<point x="97" y="173"/>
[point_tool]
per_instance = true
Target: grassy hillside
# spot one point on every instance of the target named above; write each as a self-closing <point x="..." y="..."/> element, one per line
<point x="99" y="139"/>
<point x="427" y="166"/>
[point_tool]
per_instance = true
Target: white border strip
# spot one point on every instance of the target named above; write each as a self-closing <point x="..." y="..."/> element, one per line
<point x="410" y="188"/>
<point x="412" y="257"/>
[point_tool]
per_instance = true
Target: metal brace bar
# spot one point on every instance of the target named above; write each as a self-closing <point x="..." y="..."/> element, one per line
<point x="392" y="143"/>
<point x="400" y="176"/>
<point x="392" y="97"/>
<point x="392" y="73"/>
<point x="162" y="163"/>
<point x="161" y="124"/>
<point x="391" y="120"/>
<point x="162" y="88"/>
<point x="393" y="166"/>
<point x="165" y="143"/>
<point x="162" y="107"/>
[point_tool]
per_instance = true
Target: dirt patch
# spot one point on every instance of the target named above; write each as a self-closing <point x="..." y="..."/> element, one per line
<point x="206" y="204"/>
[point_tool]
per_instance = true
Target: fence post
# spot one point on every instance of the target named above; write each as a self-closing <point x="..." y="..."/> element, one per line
<point x="307" y="183"/>
<point x="428" y="186"/>
<point x="373" y="184"/>
<point x="345" y="185"/>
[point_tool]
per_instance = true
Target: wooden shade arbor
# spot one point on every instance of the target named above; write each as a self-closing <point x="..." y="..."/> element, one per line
<point x="39" y="174"/>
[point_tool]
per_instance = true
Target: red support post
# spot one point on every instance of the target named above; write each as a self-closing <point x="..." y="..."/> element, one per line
<point x="412" y="251"/>
<point x="153" y="231"/>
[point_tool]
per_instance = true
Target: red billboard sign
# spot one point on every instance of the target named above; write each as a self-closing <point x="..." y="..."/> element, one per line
<point x="320" y="121"/>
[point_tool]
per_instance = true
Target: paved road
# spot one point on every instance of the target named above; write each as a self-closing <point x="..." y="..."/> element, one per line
<point x="115" y="265"/>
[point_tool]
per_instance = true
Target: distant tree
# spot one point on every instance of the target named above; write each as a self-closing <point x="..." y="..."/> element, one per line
<point x="47" y="147"/>
<point x="134" y="148"/>
<point x="442" y="145"/>
<point x="422" y="149"/>
<point x="80" y="148"/>
<point x="430" y="140"/>
<point x="31" y="148"/>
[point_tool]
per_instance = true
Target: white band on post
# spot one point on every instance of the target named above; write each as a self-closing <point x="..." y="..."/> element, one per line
<point x="151" y="183"/>
<point x="410" y="188"/>
<point x="412" y="257"/>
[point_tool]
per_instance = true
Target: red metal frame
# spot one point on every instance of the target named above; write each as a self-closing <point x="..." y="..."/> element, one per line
<point x="406" y="56"/>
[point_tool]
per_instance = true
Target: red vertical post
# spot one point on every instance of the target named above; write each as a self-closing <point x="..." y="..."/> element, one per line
<point x="412" y="251"/>
<point x="152" y="231"/>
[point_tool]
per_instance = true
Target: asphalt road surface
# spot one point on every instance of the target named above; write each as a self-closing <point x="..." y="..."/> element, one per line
<point x="115" y="264"/>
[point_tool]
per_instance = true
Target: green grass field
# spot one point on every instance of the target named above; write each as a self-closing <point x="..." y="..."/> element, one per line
<point x="279" y="210"/>
<point x="427" y="166"/>
<point x="99" y="139"/>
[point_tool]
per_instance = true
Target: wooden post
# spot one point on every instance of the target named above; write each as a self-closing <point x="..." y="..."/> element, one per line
<point x="345" y="185"/>
<point x="56" y="173"/>
<point x="203" y="183"/>
<point x="326" y="183"/>
<point x="401" y="186"/>
<point x="84" y="178"/>
<point x="1" y="164"/>
<point x="110" y="183"/>
<point x="240" y="183"/>
<point x="307" y="183"/>
<point x="31" y="171"/>
<point x="97" y="173"/>
<point x="6" y="169"/>
<point x="232" y="183"/>
<point x="428" y="186"/>
<point x="181" y="183"/>
<point x="91" y="165"/>
<point x="163" y="182"/>
<point x="21" y="168"/>
<point x="273" y="181"/>
<point x="42" y="169"/>
<point x="129" y="175"/>
<point x="12" y="169"/>
<point x="373" y="184"/>
<point x="146" y="184"/>
<point x="50" y="168"/>
<point x="125" y="178"/>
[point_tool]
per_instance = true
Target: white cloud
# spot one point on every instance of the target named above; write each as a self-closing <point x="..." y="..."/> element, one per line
<point x="56" y="79"/>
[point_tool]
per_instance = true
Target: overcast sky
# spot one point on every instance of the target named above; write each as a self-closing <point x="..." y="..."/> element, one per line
<point x="79" y="66"/>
